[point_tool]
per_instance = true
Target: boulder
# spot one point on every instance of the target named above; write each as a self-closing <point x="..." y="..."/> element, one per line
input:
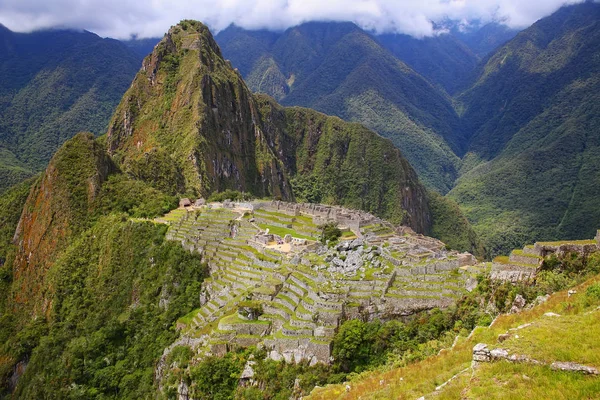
<point x="502" y="337"/>
<point x="481" y="353"/>
<point x="518" y="304"/>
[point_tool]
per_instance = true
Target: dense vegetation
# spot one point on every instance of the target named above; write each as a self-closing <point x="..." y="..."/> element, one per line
<point x="339" y="69"/>
<point x="452" y="227"/>
<point x="11" y="205"/>
<point x="113" y="290"/>
<point x="54" y="84"/>
<point x="442" y="59"/>
<point x="535" y="137"/>
<point x="117" y="291"/>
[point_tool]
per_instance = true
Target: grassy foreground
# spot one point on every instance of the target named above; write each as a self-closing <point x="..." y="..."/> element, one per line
<point x="571" y="336"/>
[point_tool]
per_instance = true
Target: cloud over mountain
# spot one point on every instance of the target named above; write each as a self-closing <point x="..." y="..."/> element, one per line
<point x="123" y="18"/>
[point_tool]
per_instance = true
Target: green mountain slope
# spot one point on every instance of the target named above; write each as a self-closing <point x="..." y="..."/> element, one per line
<point x="91" y="291"/>
<point x="189" y="124"/>
<point x="54" y="84"/>
<point x="532" y="118"/>
<point x="341" y="70"/>
<point x="442" y="59"/>
<point x="483" y="40"/>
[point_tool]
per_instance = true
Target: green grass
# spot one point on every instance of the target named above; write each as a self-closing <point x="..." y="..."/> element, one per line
<point x="276" y="230"/>
<point x="187" y="318"/>
<point x="556" y="339"/>
<point x="235" y="319"/>
<point x="561" y="242"/>
<point x="504" y="380"/>
<point x="523" y="254"/>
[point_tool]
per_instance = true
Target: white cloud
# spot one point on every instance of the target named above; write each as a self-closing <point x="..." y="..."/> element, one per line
<point x="151" y="18"/>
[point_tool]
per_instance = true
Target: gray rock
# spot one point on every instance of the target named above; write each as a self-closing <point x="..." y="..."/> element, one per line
<point x="551" y="314"/>
<point x="573" y="367"/>
<point x="354" y="260"/>
<point x="248" y="372"/>
<point x="183" y="391"/>
<point x="481" y="353"/>
<point x="358" y="242"/>
<point x="498" y="354"/>
<point x="338" y="262"/>
<point x="471" y="284"/>
<point x="518" y="304"/>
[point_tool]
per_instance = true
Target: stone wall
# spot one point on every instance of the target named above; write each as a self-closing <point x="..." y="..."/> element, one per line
<point x="352" y="219"/>
<point x="511" y="272"/>
<point x="543" y="249"/>
<point x="300" y="349"/>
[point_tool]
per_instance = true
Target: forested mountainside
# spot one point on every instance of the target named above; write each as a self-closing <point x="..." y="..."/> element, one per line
<point x="520" y="162"/>
<point x="443" y="59"/>
<point x="339" y="69"/>
<point x="483" y="39"/>
<point x="532" y="119"/>
<point x="54" y="84"/>
<point x="448" y="59"/>
<point x="100" y="291"/>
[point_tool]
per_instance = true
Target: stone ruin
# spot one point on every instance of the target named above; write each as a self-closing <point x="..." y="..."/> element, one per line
<point x="523" y="264"/>
<point x="185" y="202"/>
<point x="375" y="272"/>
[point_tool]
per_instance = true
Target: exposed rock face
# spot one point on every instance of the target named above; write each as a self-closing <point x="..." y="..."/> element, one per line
<point x="190" y="109"/>
<point x="56" y="210"/>
<point x="190" y="123"/>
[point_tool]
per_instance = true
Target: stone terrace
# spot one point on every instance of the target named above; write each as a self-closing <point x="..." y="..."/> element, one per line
<point x="523" y="265"/>
<point x="306" y="291"/>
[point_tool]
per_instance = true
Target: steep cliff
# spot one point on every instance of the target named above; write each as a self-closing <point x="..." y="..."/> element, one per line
<point x="56" y="210"/>
<point x="189" y="124"/>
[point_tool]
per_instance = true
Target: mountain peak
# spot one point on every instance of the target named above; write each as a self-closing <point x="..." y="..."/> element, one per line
<point x="189" y="124"/>
<point x="188" y="35"/>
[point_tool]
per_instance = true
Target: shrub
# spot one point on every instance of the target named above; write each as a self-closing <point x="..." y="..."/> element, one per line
<point x="330" y="232"/>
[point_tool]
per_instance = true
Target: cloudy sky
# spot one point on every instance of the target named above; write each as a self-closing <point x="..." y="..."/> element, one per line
<point x="151" y="18"/>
